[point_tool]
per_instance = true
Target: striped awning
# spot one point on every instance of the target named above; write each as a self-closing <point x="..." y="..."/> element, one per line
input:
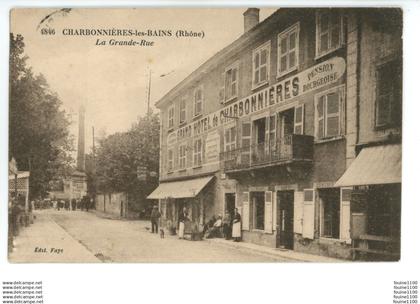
<point x="180" y="189"/>
<point x="374" y="166"/>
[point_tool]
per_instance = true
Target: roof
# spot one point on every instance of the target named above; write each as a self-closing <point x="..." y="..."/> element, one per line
<point x="373" y="166"/>
<point x="211" y="63"/>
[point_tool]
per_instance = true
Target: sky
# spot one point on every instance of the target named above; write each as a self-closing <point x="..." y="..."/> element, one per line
<point x="111" y="81"/>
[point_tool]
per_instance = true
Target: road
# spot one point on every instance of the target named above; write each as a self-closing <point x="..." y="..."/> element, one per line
<point x="114" y="240"/>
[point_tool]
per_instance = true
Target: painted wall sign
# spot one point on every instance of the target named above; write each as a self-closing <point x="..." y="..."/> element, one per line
<point x="212" y="147"/>
<point x="316" y="77"/>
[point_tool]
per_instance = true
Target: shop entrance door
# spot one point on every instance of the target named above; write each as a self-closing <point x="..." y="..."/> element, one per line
<point x="285" y="219"/>
<point x="230" y="203"/>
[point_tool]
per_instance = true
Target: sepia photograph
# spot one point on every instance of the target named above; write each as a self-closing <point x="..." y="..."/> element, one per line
<point x="241" y="135"/>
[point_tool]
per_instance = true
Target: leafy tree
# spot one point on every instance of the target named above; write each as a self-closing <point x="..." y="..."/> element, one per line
<point x="122" y="156"/>
<point x="39" y="136"/>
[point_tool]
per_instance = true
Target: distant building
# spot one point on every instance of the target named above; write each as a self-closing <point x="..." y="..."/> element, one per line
<point x="297" y="123"/>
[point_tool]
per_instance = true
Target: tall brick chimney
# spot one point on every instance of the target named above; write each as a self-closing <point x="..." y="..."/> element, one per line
<point x="251" y="18"/>
<point x="81" y="141"/>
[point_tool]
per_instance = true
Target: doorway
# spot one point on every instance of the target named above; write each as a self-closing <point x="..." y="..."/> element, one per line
<point x="285" y="205"/>
<point x="230" y="203"/>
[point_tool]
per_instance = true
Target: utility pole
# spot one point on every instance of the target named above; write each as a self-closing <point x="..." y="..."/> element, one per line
<point x="148" y="92"/>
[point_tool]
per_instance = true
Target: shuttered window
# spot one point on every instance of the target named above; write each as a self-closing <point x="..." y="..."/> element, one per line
<point x="170" y="159"/>
<point x="345" y="215"/>
<point x="328" y="113"/>
<point x="231" y="82"/>
<point x="308" y="228"/>
<point x="171" y="114"/>
<point x="182" y="111"/>
<point x="288" y="50"/>
<point x="198" y="150"/>
<point x="261" y="64"/>
<point x="198" y="101"/>
<point x="245" y="211"/>
<point x="329" y="32"/>
<point x="268" y="212"/>
<point x="246" y="143"/>
<point x="388" y="95"/>
<point x="298" y="212"/>
<point x="230" y="139"/>
<point x="182" y="156"/>
<point x="299" y="119"/>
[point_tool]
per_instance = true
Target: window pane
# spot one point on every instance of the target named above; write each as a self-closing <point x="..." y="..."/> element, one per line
<point x="233" y="93"/>
<point x="335" y="37"/>
<point x="234" y="71"/>
<point x="257" y="76"/>
<point x="283" y="63"/>
<point x="298" y="114"/>
<point x="227" y="136"/>
<point x="298" y="129"/>
<point x="332" y="126"/>
<point x="323" y="19"/>
<point x="283" y="45"/>
<point x="257" y="60"/>
<point x="320" y="106"/>
<point x="321" y="128"/>
<point x="332" y="104"/>
<point x="292" y="59"/>
<point x="263" y="57"/>
<point x="383" y="110"/>
<point x="263" y="73"/>
<point x="324" y="43"/>
<point x="292" y="41"/>
<point x="335" y="20"/>
<point x="233" y="134"/>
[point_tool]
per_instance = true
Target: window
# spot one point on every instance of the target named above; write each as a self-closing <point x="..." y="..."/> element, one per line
<point x="299" y="119"/>
<point x="230" y="139"/>
<point x="171" y="114"/>
<point x="231" y="82"/>
<point x="170" y="160"/>
<point x="182" y="111"/>
<point x="288" y="50"/>
<point x="258" y="206"/>
<point x="198" y="101"/>
<point x="182" y="156"/>
<point x="261" y="65"/>
<point x="388" y="96"/>
<point x="328" y="120"/>
<point x="330" y="212"/>
<point x="329" y="32"/>
<point x="198" y="150"/>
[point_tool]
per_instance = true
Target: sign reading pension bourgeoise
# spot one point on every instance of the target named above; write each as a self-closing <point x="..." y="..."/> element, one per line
<point x="311" y="79"/>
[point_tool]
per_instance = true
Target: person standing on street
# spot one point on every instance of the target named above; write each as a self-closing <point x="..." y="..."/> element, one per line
<point x="236" y="229"/>
<point x="183" y="217"/>
<point x="227" y="229"/>
<point x="154" y="218"/>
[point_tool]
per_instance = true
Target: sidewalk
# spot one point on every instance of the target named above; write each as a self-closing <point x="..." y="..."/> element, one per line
<point x="291" y="255"/>
<point x="46" y="242"/>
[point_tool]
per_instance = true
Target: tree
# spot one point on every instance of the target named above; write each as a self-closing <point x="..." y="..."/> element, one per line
<point x="121" y="156"/>
<point x="39" y="136"/>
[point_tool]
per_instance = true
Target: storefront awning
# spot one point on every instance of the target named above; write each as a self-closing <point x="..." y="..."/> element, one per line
<point x="180" y="189"/>
<point x="373" y="166"/>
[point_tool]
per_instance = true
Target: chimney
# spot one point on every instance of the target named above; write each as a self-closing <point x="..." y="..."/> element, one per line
<point x="81" y="141"/>
<point x="251" y="18"/>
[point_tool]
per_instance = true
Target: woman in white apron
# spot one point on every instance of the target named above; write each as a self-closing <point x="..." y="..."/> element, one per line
<point x="183" y="217"/>
<point x="236" y="228"/>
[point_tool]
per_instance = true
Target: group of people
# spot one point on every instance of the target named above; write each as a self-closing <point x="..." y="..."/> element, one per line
<point x="83" y="204"/>
<point x="228" y="227"/>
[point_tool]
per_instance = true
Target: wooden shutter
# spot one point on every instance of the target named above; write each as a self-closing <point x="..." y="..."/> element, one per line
<point x="245" y="211"/>
<point x="268" y="212"/>
<point x="222" y="89"/>
<point x="308" y="228"/>
<point x="299" y="119"/>
<point x="267" y="136"/>
<point x="246" y="143"/>
<point x="189" y="153"/>
<point x="345" y="215"/>
<point x="298" y="212"/>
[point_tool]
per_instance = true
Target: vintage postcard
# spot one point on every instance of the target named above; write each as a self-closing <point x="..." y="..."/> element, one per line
<point x="239" y="135"/>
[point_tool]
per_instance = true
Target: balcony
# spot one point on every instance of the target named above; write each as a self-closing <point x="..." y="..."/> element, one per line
<point x="285" y="150"/>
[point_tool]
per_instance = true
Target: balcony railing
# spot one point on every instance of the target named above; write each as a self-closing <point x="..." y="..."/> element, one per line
<point x="292" y="147"/>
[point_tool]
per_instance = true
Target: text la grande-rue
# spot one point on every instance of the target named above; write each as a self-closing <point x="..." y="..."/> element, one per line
<point x="131" y="42"/>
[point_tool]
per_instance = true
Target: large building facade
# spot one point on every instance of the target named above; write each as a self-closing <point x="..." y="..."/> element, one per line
<point x="281" y="122"/>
